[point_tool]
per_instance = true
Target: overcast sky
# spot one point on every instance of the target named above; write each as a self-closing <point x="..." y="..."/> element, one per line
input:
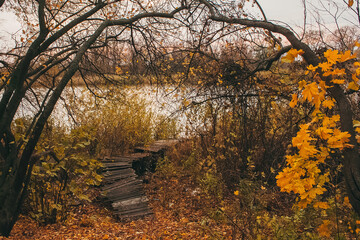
<point x="292" y="11"/>
<point x="288" y="11"/>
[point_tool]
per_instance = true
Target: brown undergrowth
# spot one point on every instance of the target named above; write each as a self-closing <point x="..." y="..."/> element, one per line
<point x="186" y="207"/>
<point x="178" y="214"/>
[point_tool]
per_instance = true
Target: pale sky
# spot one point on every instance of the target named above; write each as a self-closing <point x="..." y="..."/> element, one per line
<point x="292" y="11"/>
<point x="8" y="26"/>
<point x="288" y="11"/>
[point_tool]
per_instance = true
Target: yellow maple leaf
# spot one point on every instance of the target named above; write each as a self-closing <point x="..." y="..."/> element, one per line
<point x="302" y="136"/>
<point x="322" y="85"/>
<point x="347" y="202"/>
<point x="328" y="103"/>
<point x="339" y="139"/>
<point x="303" y="203"/>
<point x="324" y="230"/>
<point x="302" y="83"/>
<point x="291" y="55"/>
<point x="335" y="72"/>
<point x="332" y="56"/>
<point x="282" y="179"/>
<point x="310" y="91"/>
<point x="356" y="123"/>
<point x="318" y="99"/>
<point x="299" y="188"/>
<point x="323" y="154"/>
<point x="306" y="150"/>
<point x="323" y="132"/>
<point x="347" y="56"/>
<point x="338" y="81"/>
<point x="312" y="193"/>
<point x="350" y="3"/>
<point x="312" y="68"/>
<point x="308" y="183"/>
<point x="353" y="86"/>
<point x="323" y="205"/>
<point x="294" y="100"/>
<point x="325" y="67"/>
<point x="354" y="78"/>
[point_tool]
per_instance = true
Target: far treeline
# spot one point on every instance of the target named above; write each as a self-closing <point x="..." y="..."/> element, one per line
<point x="278" y="107"/>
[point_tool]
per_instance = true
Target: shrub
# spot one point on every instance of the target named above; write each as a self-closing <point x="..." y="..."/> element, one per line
<point x="63" y="171"/>
<point x="123" y="120"/>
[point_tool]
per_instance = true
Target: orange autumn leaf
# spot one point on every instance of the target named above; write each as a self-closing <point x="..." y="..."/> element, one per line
<point x="294" y="101"/>
<point x="291" y="55"/>
<point x="326" y="66"/>
<point x="310" y="91"/>
<point x="347" y="56"/>
<point x="302" y="83"/>
<point x="338" y="81"/>
<point x="335" y="72"/>
<point x="312" y="68"/>
<point x="332" y="56"/>
<point x="323" y="229"/>
<point x="353" y="86"/>
<point x="328" y="103"/>
<point x="322" y="205"/>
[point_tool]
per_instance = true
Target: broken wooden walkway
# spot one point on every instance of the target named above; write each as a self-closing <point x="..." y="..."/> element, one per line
<point x="122" y="186"/>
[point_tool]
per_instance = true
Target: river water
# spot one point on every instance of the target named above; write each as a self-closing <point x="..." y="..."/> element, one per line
<point x="165" y="101"/>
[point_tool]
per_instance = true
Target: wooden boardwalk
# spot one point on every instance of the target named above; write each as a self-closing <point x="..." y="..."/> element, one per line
<point x="122" y="186"/>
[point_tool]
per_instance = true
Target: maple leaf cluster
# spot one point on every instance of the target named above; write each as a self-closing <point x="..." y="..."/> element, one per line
<point x="305" y="174"/>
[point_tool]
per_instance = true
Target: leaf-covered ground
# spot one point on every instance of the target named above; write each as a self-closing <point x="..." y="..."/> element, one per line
<point x="178" y="214"/>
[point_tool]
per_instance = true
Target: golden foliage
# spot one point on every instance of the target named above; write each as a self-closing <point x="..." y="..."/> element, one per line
<point x="315" y="140"/>
<point x="291" y="55"/>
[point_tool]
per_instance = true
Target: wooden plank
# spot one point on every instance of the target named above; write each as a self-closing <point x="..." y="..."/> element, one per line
<point x="143" y="208"/>
<point x="117" y="165"/>
<point x="133" y="208"/>
<point x="152" y="149"/>
<point x="139" y="155"/>
<point x="121" y="187"/>
<point x="132" y="201"/>
<point x="112" y="199"/>
<point x="129" y="203"/>
<point x="158" y="146"/>
<point x="112" y="172"/>
<point x="120" y="197"/>
<point x="124" y="192"/>
<point x="125" y="158"/>
<point x="116" y="179"/>
<point x="122" y="183"/>
<point x="120" y="175"/>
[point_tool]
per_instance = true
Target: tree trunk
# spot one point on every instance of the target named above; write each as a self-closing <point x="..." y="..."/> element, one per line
<point x="12" y="193"/>
<point x="17" y="168"/>
<point x="351" y="155"/>
<point x="9" y="208"/>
